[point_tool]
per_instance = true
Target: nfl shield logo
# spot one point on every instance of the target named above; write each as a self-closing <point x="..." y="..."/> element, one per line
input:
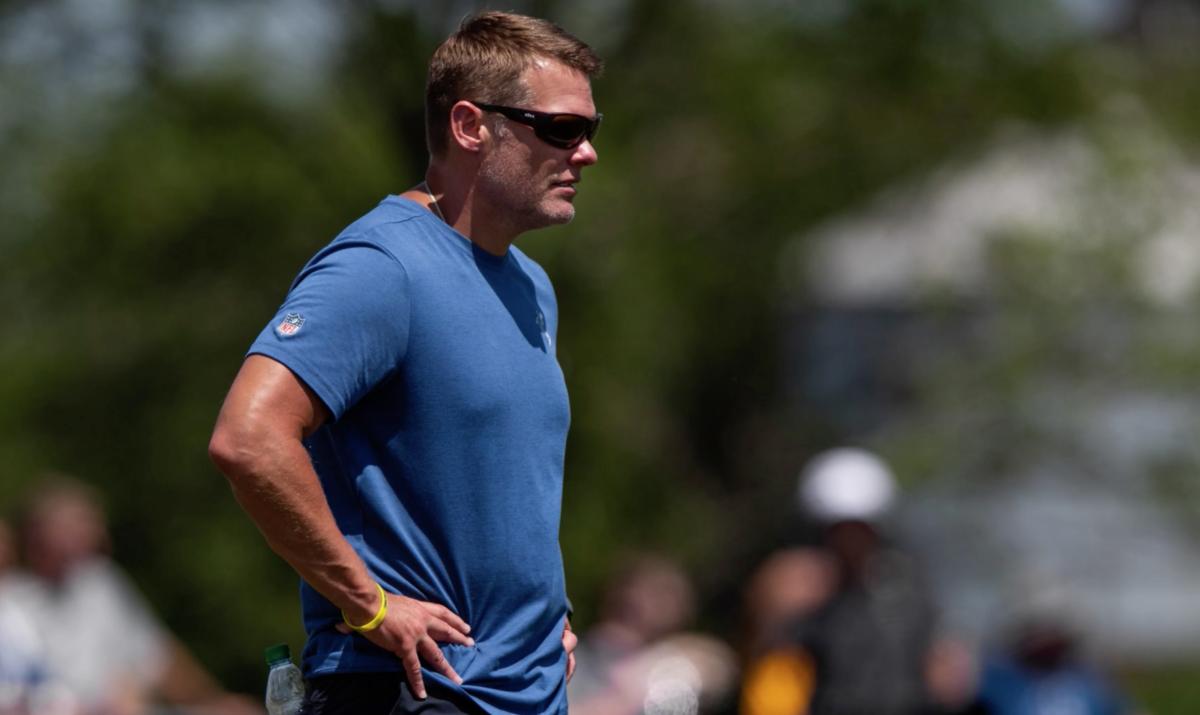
<point x="290" y="325"/>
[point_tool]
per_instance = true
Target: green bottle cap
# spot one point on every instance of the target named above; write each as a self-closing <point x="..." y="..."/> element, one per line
<point x="277" y="652"/>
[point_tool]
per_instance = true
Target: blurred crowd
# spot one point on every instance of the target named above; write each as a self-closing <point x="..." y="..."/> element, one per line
<point x="76" y="636"/>
<point x="837" y="623"/>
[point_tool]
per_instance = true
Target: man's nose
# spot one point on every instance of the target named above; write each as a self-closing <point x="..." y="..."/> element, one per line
<point x="584" y="154"/>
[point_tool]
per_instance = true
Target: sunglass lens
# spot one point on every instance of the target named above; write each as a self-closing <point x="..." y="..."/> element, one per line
<point x="567" y="131"/>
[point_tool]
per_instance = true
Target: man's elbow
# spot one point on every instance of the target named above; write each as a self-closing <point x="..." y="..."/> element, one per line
<point x="231" y="449"/>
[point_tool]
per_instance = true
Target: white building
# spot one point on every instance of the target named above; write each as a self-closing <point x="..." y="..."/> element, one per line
<point x="1057" y="463"/>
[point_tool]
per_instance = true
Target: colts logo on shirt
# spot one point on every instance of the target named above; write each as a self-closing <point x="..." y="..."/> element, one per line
<point x="290" y="325"/>
<point x="541" y="323"/>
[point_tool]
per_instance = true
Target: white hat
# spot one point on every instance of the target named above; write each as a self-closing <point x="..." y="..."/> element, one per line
<point x="846" y="483"/>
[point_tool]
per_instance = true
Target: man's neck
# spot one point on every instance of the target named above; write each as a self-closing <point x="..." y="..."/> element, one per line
<point x="456" y="203"/>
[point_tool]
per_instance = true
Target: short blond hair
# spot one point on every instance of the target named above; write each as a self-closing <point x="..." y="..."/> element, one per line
<point x="484" y="60"/>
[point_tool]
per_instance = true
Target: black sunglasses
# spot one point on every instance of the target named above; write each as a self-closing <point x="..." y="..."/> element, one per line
<point x="565" y="131"/>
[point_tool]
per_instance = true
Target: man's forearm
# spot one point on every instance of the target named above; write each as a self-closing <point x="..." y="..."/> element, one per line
<point x="274" y="482"/>
<point x="281" y="493"/>
<point x="257" y="443"/>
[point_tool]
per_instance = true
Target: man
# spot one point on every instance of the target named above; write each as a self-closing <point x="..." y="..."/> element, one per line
<point x="397" y="431"/>
<point x="99" y="646"/>
<point x="863" y="644"/>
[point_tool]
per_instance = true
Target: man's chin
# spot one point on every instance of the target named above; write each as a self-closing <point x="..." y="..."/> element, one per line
<point x="548" y="213"/>
<point x="561" y="212"/>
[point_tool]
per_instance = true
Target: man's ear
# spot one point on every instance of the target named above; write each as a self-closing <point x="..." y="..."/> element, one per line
<point x="467" y="129"/>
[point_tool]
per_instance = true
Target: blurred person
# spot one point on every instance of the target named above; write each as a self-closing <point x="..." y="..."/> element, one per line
<point x="104" y="651"/>
<point x="788" y="586"/>
<point x="639" y="658"/>
<point x="22" y="662"/>
<point x="868" y="647"/>
<point x="397" y="431"/>
<point x="1041" y="672"/>
<point x="647" y="597"/>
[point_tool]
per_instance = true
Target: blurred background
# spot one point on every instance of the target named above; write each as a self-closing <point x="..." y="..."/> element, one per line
<point x="961" y="234"/>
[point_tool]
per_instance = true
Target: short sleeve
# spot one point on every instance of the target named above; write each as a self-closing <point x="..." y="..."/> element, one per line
<point x="343" y="328"/>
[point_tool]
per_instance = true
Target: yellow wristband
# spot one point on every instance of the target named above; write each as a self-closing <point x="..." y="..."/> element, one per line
<point x="379" y="615"/>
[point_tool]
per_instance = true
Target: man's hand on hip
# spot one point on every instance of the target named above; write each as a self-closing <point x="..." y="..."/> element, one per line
<point x="412" y="630"/>
<point x="569" y="641"/>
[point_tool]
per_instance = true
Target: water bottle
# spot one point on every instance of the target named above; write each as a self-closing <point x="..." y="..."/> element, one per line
<point x="285" y="686"/>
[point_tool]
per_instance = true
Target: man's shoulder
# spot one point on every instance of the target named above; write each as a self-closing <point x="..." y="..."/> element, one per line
<point x="385" y="232"/>
<point x="400" y="228"/>
<point x="390" y="216"/>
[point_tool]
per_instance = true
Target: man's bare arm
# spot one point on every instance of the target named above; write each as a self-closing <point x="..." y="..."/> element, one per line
<point x="257" y="444"/>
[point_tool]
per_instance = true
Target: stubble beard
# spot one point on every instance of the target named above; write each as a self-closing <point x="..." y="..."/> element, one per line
<point x="526" y="200"/>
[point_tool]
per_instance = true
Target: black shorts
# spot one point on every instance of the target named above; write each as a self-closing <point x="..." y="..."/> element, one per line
<point x="381" y="694"/>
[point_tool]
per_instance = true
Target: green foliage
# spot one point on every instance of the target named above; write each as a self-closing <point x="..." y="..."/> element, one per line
<point x="169" y="245"/>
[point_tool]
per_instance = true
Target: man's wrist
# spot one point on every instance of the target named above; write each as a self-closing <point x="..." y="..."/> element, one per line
<point x="363" y="624"/>
<point x="361" y="602"/>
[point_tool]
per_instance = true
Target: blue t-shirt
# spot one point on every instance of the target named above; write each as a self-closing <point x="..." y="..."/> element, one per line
<point x="443" y="459"/>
